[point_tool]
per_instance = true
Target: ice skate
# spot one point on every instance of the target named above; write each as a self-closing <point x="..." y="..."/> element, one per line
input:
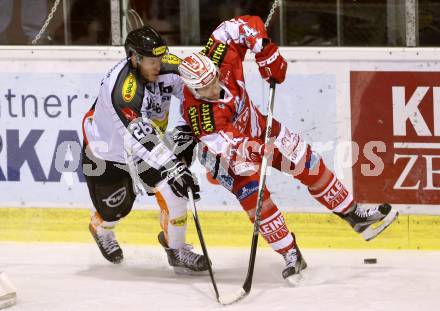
<point x="295" y="263"/>
<point x="8" y="293"/>
<point x="184" y="260"/>
<point x="106" y="241"/>
<point x="370" y="222"/>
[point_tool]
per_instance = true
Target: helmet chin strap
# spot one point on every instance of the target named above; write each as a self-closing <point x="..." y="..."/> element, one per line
<point x="138" y="60"/>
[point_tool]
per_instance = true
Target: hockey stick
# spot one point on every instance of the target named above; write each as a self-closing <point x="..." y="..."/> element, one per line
<point x="202" y="241"/>
<point x="8" y="293"/>
<point x="245" y="290"/>
<point x="134" y="21"/>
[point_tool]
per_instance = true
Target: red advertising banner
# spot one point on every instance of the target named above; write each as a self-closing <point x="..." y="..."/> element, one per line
<point x="395" y="120"/>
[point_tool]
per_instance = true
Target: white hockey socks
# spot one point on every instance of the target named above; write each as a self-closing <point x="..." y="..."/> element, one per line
<point x="173" y="217"/>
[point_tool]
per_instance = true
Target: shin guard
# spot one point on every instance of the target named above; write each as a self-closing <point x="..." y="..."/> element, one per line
<point x="274" y="230"/>
<point x="333" y="195"/>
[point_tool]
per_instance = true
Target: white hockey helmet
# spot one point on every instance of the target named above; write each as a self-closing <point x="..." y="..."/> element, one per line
<point x="197" y="71"/>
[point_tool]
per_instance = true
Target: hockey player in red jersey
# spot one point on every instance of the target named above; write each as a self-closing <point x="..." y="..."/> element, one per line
<point x="231" y="132"/>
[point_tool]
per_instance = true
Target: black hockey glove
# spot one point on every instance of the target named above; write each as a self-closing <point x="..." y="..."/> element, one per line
<point x="180" y="178"/>
<point x="183" y="143"/>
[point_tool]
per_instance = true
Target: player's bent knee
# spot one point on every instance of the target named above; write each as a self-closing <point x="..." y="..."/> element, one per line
<point x="312" y="170"/>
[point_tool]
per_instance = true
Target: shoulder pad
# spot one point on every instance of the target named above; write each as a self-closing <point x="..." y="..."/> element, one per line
<point x="128" y="88"/>
<point x="170" y="62"/>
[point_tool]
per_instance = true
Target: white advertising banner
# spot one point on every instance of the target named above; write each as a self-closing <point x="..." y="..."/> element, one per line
<point x="45" y="92"/>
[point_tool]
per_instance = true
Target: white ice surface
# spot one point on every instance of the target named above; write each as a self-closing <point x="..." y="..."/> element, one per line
<point x="76" y="277"/>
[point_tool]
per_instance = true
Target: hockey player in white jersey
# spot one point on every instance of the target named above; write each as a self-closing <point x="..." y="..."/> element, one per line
<point x="124" y="152"/>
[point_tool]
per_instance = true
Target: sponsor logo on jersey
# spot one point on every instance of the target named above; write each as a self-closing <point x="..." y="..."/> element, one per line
<point x="207" y="47"/>
<point x="159" y="50"/>
<point x="171" y="59"/>
<point x="216" y="53"/>
<point x="247" y="190"/>
<point x="226" y="181"/>
<point x="179" y="221"/>
<point x="193" y="117"/>
<point x="207" y="117"/>
<point x="129" y="88"/>
<point x="116" y="198"/>
<point x="129" y="114"/>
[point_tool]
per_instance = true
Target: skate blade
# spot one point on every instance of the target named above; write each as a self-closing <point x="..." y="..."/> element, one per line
<point x="372" y="232"/>
<point x="294" y="280"/>
<point x="186" y="271"/>
<point x="8" y="300"/>
<point x="116" y="261"/>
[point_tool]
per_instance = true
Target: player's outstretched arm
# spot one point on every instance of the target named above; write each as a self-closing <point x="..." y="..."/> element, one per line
<point x="249" y="32"/>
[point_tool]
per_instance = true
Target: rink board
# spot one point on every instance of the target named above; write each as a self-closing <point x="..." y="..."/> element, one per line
<point x="330" y="96"/>
<point x="221" y="229"/>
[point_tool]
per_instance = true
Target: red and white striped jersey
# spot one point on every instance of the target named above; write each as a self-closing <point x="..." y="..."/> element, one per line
<point x="226" y="123"/>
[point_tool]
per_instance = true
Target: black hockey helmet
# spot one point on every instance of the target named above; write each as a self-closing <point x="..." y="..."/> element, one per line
<point x="145" y="41"/>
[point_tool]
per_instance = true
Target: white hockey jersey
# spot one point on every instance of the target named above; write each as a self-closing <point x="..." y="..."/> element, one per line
<point x="129" y="115"/>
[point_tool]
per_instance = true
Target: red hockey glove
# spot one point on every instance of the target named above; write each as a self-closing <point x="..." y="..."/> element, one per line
<point x="271" y="64"/>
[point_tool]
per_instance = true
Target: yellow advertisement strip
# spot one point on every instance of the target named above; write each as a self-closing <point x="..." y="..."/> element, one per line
<point x="221" y="229"/>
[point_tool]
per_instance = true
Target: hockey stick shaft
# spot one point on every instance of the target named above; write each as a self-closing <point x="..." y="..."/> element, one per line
<point x="8" y="293"/>
<point x="248" y="282"/>
<point x="247" y="285"/>
<point x="202" y="241"/>
<point x="134" y="21"/>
